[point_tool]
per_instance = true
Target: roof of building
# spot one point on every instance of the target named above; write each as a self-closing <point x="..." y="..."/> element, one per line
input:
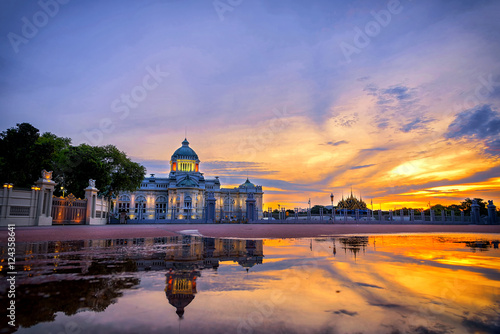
<point x="185" y="152"/>
<point x="247" y="184"/>
<point x="187" y="183"/>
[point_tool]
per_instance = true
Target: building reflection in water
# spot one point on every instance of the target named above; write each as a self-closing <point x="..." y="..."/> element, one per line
<point x="354" y="244"/>
<point x="92" y="274"/>
<point x="185" y="259"/>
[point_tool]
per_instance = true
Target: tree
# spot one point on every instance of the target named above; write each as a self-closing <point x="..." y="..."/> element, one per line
<point x="24" y="153"/>
<point x="111" y="168"/>
<point x="466" y="205"/>
<point x="454" y="207"/>
<point x="438" y="208"/>
<point x="315" y="209"/>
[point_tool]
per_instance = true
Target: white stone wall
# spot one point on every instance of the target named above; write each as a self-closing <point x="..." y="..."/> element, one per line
<point x="18" y="206"/>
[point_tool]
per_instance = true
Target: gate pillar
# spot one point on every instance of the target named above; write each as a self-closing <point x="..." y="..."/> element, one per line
<point x="44" y="203"/>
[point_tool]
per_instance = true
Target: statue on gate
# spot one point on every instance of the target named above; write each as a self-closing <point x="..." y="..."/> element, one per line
<point x="47" y="175"/>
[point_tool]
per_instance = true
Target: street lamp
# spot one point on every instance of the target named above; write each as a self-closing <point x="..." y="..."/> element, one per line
<point x="309" y="213"/>
<point x="63" y="190"/>
<point x="331" y="198"/>
<point x="279" y="212"/>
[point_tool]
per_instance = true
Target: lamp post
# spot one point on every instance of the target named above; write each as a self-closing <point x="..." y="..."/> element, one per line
<point x="279" y="212"/>
<point x="309" y="214"/>
<point x="63" y="190"/>
<point x="331" y="198"/>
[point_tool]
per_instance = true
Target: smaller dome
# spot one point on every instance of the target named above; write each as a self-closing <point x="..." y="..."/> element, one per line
<point x="247" y="184"/>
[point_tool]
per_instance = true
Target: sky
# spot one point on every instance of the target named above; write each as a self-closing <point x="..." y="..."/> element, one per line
<point x="396" y="100"/>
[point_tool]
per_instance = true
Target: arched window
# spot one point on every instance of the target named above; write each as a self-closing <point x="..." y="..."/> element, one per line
<point x="140" y="207"/>
<point x="229" y="205"/>
<point x="188" y="203"/>
<point x="161" y="207"/>
<point x="123" y="203"/>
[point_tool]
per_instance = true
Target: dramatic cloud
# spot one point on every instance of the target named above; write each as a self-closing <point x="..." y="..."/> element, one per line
<point x="364" y="166"/>
<point x="374" y="149"/>
<point x="337" y="143"/>
<point x="392" y="95"/>
<point x="398" y="92"/>
<point x="349" y="313"/>
<point x="346" y="120"/>
<point x="235" y="168"/>
<point x="417" y="123"/>
<point x="396" y="105"/>
<point x="480" y="123"/>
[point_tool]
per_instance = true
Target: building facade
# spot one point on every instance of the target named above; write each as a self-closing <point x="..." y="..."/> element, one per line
<point x="184" y="193"/>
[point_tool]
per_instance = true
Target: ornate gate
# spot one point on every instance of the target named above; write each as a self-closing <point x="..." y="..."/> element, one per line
<point x="69" y="210"/>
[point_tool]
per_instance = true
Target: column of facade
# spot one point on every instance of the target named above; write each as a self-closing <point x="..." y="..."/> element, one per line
<point x="250" y="206"/>
<point x="210" y="208"/>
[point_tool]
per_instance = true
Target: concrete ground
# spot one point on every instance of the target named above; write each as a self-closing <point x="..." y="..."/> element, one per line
<point x="257" y="231"/>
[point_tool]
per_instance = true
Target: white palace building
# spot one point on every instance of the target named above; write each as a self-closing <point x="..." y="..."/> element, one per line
<point x="184" y="194"/>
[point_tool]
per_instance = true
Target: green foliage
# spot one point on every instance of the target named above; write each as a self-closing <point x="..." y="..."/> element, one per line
<point x="438" y="208"/>
<point x="24" y="153"/>
<point x="466" y="204"/>
<point x="315" y="209"/>
<point x="112" y="170"/>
